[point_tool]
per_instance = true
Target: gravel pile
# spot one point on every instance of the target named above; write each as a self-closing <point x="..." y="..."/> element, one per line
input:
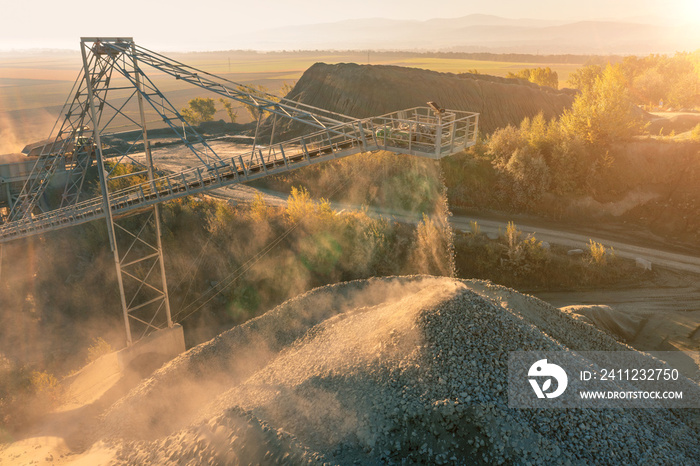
<point x="404" y="370"/>
<point x="233" y="438"/>
<point x="196" y="377"/>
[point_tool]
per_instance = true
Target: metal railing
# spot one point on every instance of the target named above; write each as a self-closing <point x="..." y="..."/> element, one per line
<point x="415" y="131"/>
<point x="418" y="131"/>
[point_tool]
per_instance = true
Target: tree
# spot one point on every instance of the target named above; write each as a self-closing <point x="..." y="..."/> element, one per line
<point x="540" y="76"/>
<point x="539" y="134"/>
<point x="684" y="91"/>
<point x="538" y="156"/>
<point x="232" y="114"/>
<point x="603" y="113"/>
<point x="287" y="88"/>
<point x="651" y="86"/>
<point x="503" y="143"/>
<point x="653" y="78"/>
<point x="259" y="91"/>
<point x="545" y="77"/>
<point x="528" y="174"/>
<point x="584" y="78"/>
<point x="200" y="110"/>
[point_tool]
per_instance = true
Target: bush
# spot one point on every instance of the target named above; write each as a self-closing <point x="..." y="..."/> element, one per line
<point x="695" y="133"/>
<point x="523" y="256"/>
<point x="259" y="210"/>
<point x="98" y="348"/>
<point x="503" y="144"/>
<point x="529" y="174"/>
<point x="301" y="208"/>
<point x="516" y="262"/>
<point x="474" y="227"/>
<point x="598" y="253"/>
<point x="537" y="157"/>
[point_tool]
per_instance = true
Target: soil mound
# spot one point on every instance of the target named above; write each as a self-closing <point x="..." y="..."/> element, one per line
<point x="368" y="90"/>
<point x="383" y="371"/>
<point x="620" y="325"/>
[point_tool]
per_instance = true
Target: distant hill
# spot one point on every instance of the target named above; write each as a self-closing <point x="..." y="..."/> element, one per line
<point x="368" y="90"/>
<point x="484" y="33"/>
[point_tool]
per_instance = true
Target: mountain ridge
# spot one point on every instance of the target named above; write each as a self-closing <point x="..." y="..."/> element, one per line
<point x="487" y="32"/>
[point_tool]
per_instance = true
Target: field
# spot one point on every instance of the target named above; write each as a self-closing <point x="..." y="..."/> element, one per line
<point x="34" y="86"/>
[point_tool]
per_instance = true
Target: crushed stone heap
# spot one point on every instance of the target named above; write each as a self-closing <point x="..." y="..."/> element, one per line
<point x="384" y="371"/>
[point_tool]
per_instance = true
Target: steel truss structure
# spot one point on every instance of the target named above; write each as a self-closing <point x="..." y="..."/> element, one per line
<point x="105" y="123"/>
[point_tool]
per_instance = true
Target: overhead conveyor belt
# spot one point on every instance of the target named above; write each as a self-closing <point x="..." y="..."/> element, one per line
<point x="114" y="98"/>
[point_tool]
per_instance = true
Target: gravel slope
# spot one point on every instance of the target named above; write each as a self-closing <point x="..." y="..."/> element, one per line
<point x="383" y="371"/>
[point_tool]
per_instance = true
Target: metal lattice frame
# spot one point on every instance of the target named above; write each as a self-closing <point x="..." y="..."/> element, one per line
<point x="144" y="294"/>
<point x="104" y="123"/>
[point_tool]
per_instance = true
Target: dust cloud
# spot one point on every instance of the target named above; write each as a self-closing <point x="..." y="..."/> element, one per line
<point x="59" y="292"/>
<point x="9" y="142"/>
<point x="18" y="131"/>
<point x="39" y="340"/>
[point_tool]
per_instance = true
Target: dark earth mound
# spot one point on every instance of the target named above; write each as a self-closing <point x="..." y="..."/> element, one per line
<point x="369" y="90"/>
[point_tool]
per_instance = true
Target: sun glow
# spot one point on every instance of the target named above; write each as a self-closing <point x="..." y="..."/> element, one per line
<point x="689" y="11"/>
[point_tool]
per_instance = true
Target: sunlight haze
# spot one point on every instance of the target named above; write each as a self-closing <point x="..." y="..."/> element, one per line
<point x="218" y="25"/>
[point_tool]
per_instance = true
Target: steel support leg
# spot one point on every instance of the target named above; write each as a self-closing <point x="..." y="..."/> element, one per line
<point x="134" y="240"/>
<point x="140" y="267"/>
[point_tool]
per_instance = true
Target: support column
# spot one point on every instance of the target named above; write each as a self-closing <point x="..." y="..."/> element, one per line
<point x="135" y="239"/>
<point x="103" y="183"/>
<point x="151" y="177"/>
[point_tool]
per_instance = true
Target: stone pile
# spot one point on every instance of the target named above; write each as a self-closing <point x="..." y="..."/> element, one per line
<point x="407" y="370"/>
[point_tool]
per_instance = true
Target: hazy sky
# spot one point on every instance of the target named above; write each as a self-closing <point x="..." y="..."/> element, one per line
<point x="220" y="24"/>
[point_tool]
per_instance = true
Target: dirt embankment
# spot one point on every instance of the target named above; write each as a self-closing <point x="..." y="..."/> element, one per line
<point x="652" y="184"/>
<point x="369" y="90"/>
